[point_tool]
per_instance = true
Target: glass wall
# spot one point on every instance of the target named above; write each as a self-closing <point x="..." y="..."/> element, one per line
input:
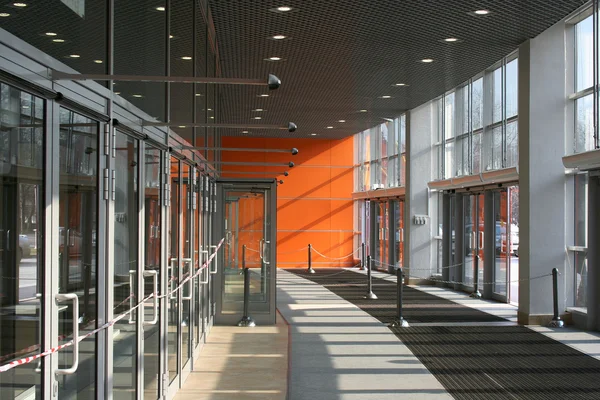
<point x="584" y="96"/>
<point x="380" y="156"/>
<point x="476" y="124"/>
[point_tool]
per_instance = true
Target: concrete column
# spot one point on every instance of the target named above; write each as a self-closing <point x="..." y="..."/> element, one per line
<point x="593" y="257"/>
<point x="418" y="238"/>
<point x="542" y="179"/>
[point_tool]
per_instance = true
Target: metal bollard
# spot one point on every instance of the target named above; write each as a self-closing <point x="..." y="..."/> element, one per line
<point x="556" y="322"/>
<point x="370" y="295"/>
<point x="362" y="256"/>
<point x="399" y="321"/>
<point x="246" y="320"/>
<point x="310" y="268"/>
<point x="476" y="293"/>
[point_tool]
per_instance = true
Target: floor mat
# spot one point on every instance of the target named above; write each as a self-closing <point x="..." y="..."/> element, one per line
<point x="418" y="306"/>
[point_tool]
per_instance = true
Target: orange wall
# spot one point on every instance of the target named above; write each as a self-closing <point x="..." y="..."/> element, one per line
<point x="314" y="205"/>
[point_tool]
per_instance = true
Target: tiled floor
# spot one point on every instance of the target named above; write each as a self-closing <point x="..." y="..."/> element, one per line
<point x="241" y="363"/>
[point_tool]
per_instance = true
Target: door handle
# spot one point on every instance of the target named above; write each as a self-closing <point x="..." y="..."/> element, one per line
<point x="131" y="286"/>
<point x="188" y="261"/>
<point x="261" y="245"/>
<point x="203" y="280"/>
<point x="154" y="275"/>
<point x="215" y="260"/>
<point x="264" y="258"/>
<point x="481" y="240"/>
<point x="8" y="240"/>
<point x="75" y="300"/>
<point x="172" y="281"/>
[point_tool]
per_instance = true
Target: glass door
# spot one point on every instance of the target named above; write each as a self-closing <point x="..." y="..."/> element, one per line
<point x="77" y="254"/>
<point x="381" y="229"/>
<point x="22" y="250"/>
<point x="399" y="232"/>
<point x="247" y="210"/>
<point x="474" y="239"/>
<point x="502" y="252"/>
<point x="152" y="271"/>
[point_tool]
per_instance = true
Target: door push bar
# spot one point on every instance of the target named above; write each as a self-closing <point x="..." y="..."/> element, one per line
<point x="75" y="300"/>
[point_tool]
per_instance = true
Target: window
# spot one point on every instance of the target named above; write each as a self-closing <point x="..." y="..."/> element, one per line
<point x="586" y="138"/>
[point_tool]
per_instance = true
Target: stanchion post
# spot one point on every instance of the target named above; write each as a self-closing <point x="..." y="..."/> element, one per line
<point x="246" y="320"/>
<point x="476" y="293"/>
<point x="370" y="295"/>
<point x="399" y="322"/>
<point x="310" y="268"/>
<point x="556" y="322"/>
<point x="362" y="257"/>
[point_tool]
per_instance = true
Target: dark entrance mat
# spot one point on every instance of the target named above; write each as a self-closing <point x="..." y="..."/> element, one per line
<point x="502" y="362"/>
<point x="418" y="306"/>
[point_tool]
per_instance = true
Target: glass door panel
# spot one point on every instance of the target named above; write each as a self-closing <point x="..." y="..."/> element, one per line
<point x="186" y="263"/>
<point x="197" y="259"/>
<point x="173" y="273"/>
<point x="513" y="244"/>
<point x="125" y="283"/>
<point x="22" y="215"/>
<point x="474" y="238"/>
<point x="152" y="271"/>
<point x="77" y="270"/>
<point x="399" y="232"/>
<point x="502" y="241"/>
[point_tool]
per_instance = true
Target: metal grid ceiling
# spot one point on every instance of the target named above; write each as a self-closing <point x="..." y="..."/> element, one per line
<point x="341" y="56"/>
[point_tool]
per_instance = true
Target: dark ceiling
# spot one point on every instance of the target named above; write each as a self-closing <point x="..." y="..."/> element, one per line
<point x="340" y="57"/>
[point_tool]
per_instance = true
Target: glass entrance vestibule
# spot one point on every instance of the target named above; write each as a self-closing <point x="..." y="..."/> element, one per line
<point x="480" y="236"/>
<point x="96" y="221"/>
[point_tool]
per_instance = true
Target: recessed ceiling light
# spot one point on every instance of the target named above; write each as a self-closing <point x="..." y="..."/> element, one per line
<point x="171" y="37"/>
<point x="330" y="127"/>
<point x="4" y="15"/>
<point x="386" y="97"/>
<point x="209" y="109"/>
<point x="273" y="59"/>
<point x="198" y="94"/>
<point x="313" y="134"/>
<point x="482" y="12"/>
<point x="400" y="84"/>
<point x="257" y="117"/>
<point x="51" y="34"/>
<point x="117" y="92"/>
<point x="263" y="95"/>
<point x="25" y="107"/>
<point x="450" y="40"/>
<point x="58" y="40"/>
<point x="342" y="120"/>
<point x="187" y="58"/>
<point x="427" y="60"/>
<point x="212" y="117"/>
<point x="161" y="8"/>
<point x="284" y="8"/>
<point x="362" y="110"/>
<point x="244" y="131"/>
<point x="279" y="37"/>
<point x="98" y="61"/>
<point x="258" y="109"/>
<point x="137" y="95"/>
<point x="19" y="4"/>
<point x="74" y="56"/>
<point x="181" y="126"/>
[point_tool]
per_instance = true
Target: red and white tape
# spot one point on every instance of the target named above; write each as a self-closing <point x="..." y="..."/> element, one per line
<point x="56" y="349"/>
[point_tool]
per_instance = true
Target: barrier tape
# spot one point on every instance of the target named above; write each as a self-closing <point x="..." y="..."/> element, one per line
<point x="56" y="349"/>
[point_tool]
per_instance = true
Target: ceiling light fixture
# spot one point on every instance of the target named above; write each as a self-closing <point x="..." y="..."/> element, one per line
<point x="171" y="37"/>
<point x="58" y="40"/>
<point x="181" y="126"/>
<point x="74" y="56"/>
<point x="137" y="95"/>
<point x="482" y="12"/>
<point x="117" y="92"/>
<point x="427" y="60"/>
<point x="258" y="109"/>
<point x="313" y="134"/>
<point x="212" y="117"/>
<point x="342" y="120"/>
<point x="19" y="4"/>
<point x="284" y="8"/>
<point x="51" y="34"/>
<point x="187" y="58"/>
<point x="257" y="117"/>
<point x="4" y="15"/>
<point x="273" y="59"/>
<point x="263" y="95"/>
<point x="244" y="131"/>
<point x="279" y="37"/>
<point x="98" y="61"/>
<point x="386" y="97"/>
<point x="400" y="84"/>
<point x="198" y="94"/>
<point x="362" y="110"/>
<point x="330" y="127"/>
<point x="451" y="40"/>
<point x="160" y="8"/>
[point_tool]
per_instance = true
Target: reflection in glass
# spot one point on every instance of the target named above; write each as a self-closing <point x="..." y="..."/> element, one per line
<point x="187" y="269"/>
<point x="584" y="124"/>
<point x="173" y="272"/>
<point x="77" y="273"/>
<point x="474" y="237"/>
<point x="502" y="240"/>
<point x="584" y="54"/>
<point x="22" y="145"/>
<point x="581" y="232"/>
<point x="152" y="234"/>
<point x="125" y="266"/>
